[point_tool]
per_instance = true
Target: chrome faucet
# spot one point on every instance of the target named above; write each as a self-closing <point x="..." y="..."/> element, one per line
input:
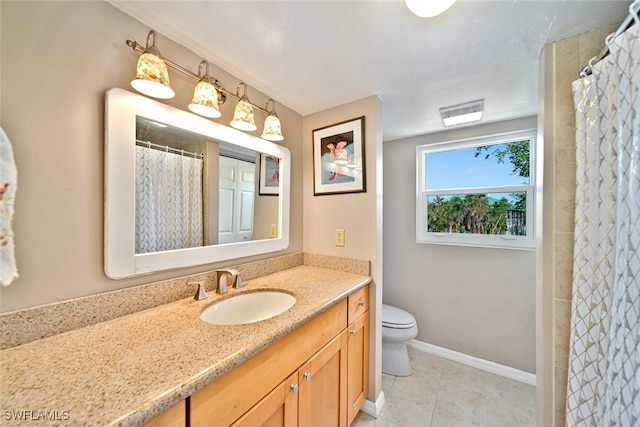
<point x="226" y="277"/>
<point x="201" y="293"/>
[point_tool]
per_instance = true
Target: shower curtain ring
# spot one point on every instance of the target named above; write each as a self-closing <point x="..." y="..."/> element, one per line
<point x="609" y="40"/>
<point x="634" y="9"/>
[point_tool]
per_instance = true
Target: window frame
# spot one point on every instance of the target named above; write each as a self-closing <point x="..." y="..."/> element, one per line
<point x="468" y="239"/>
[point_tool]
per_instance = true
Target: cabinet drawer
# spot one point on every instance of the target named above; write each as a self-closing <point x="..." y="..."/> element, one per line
<point x="358" y="303"/>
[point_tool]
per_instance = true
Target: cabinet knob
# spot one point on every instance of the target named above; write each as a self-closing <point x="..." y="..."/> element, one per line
<point x="361" y="303"/>
<point x="294" y="388"/>
<point x="353" y="332"/>
<point x="307" y="376"/>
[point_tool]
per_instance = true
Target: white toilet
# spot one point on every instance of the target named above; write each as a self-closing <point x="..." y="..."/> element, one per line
<point x="398" y="327"/>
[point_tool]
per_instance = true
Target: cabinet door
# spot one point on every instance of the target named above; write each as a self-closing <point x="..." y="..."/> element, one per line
<point x="323" y="384"/>
<point x="277" y="409"/>
<point x="357" y="365"/>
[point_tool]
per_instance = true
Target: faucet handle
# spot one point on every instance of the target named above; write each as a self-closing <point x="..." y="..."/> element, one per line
<point x="237" y="280"/>
<point x="238" y="283"/>
<point x="201" y="293"/>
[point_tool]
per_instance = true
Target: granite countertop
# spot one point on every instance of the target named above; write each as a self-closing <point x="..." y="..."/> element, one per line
<point x="127" y="370"/>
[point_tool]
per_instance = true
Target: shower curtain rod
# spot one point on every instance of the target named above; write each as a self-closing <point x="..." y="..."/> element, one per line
<point x="150" y="144"/>
<point x="634" y="10"/>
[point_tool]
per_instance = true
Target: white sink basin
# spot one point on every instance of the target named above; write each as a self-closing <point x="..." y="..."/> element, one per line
<point x="247" y="308"/>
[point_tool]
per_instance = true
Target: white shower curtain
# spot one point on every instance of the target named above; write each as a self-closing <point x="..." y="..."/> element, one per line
<point x="604" y="358"/>
<point x="168" y="201"/>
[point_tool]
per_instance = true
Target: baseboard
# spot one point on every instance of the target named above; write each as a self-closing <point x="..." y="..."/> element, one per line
<point x="372" y="408"/>
<point x="475" y="362"/>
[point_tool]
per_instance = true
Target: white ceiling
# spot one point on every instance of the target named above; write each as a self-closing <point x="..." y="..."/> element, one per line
<point x="314" y="55"/>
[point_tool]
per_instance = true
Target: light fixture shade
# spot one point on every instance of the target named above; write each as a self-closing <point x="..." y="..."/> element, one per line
<point x="152" y="76"/>
<point x="243" y="115"/>
<point x="272" y="130"/>
<point x="428" y="8"/>
<point x="205" y="99"/>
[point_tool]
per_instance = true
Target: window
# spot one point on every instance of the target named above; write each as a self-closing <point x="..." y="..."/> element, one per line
<point x="477" y="192"/>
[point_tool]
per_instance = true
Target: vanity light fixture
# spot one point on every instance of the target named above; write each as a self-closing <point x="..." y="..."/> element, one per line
<point x="272" y="130"/>
<point x="205" y="95"/>
<point x="243" y="113"/>
<point x="152" y="76"/>
<point x="152" y="79"/>
<point x="462" y="113"/>
<point x="428" y="8"/>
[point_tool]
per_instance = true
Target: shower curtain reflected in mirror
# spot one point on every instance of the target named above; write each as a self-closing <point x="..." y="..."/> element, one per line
<point x="168" y="201"/>
<point x="604" y="357"/>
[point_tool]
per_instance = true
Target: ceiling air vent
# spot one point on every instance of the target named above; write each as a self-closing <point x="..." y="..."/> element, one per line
<point x="462" y="113"/>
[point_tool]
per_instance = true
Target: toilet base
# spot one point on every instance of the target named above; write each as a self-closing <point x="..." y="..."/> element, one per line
<point x="395" y="359"/>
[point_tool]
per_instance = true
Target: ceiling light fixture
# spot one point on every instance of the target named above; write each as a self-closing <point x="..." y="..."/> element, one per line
<point x="462" y="113"/>
<point x="152" y="76"/>
<point x="208" y="93"/>
<point x="428" y="8"/>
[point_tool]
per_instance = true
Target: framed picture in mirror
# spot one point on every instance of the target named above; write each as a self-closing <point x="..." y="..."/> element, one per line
<point x="269" y="175"/>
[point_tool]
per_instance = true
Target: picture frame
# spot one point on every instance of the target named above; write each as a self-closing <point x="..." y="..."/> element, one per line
<point x="338" y="158"/>
<point x="269" y="175"/>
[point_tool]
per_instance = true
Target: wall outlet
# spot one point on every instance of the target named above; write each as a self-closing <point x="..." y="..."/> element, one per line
<point x="273" y="231"/>
<point x="339" y="237"/>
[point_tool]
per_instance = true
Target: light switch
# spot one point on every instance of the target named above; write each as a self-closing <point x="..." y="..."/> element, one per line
<point x="339" y="237"/>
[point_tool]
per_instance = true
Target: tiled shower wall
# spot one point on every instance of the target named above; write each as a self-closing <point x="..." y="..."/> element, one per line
<point x="563" y="61"/>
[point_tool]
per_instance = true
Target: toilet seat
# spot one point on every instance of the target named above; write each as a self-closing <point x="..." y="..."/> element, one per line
<point x="396" y="318"/>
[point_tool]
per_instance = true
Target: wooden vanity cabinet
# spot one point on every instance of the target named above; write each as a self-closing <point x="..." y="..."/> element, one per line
<point x="229" y="397"/>
<point x="357" y="352"/>
<point x="173" y="417"/>
<point x="324" y="364"/>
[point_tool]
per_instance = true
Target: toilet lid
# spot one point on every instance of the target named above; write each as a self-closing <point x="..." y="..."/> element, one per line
<point x="394" y="317"/>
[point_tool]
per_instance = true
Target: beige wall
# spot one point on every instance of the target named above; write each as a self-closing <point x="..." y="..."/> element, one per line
<point x="58" y="58"/>
<point x="359" y="214"/>
<point x="477" y="301"/>
<point x="561" y="63"/>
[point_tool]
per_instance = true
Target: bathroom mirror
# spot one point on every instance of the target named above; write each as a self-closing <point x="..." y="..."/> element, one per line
<point x="167" y="169"/>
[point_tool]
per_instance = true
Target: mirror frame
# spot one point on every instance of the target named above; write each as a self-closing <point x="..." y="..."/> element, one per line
<point x="120" y="259"/>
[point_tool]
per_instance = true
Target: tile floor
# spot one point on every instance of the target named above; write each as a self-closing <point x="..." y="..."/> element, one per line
<point x="442" y="393"/>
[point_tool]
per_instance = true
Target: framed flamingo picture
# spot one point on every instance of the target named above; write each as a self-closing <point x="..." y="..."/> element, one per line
<point x="269" y="175"/>
<point x="338" y="158"/>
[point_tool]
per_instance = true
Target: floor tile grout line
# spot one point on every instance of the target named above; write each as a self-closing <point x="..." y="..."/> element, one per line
<point x="486" y="400"/>
<point x="435" y="402"/>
